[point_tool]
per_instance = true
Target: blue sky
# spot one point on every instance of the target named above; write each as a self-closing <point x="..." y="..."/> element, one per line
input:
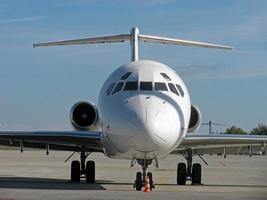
<point x="38" y="86"/>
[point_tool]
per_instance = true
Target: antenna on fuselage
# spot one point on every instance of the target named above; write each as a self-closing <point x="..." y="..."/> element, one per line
<point x="215" y="124"/>
<point x="134" y="37"/>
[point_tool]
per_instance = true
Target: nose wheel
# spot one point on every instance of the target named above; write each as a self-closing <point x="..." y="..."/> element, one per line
<point x="80" y="170"/>
<point x="138" y="181"/>
<point x="141" y="178"/>
<point x="189" y="171"/>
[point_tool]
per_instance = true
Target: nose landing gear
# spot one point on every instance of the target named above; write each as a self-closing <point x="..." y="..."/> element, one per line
<point x="189" y="172"/>
<point x="80" y="170"/>
<point x="141" y="177"/>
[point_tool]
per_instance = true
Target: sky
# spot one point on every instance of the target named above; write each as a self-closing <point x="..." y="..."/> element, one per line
<point x="39" y="86"/>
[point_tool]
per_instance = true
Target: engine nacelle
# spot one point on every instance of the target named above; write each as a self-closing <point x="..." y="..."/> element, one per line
<point x="195" y="119"/>
<point x="84" y="116"/>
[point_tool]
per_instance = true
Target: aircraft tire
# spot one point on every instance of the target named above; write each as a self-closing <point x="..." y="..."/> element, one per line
<point x="75" y="171"/>
<point x="150" y="176"/>
<point x="181" y="174"/>
<point x="90" y="171"/>
<point x="196" y="174"/>
<point x="138" y="181"/>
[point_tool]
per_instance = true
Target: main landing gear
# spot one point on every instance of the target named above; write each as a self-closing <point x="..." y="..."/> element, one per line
<point x="80" y="170"/>
<point x="141" y="177"/>
<point x="188" y="172"/>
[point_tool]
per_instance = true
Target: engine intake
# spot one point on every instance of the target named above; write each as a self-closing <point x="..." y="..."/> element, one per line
<point x="84" y="115"/>
<point x="195" y="119"/>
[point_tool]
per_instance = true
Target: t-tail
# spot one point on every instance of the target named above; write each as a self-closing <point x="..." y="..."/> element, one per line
<point x="134" y="37"/>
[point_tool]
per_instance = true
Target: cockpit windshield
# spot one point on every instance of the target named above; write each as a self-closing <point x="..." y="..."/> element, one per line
<point x="118" y="87"/>
<point x="165" y="76"/>
<point x="173" y="89"/>
<point x="125" y="76"/>
<point x="145" y="85"/>
<point x="131" y="85"/>
<point x="110" y="88"/>
<point x="160" y="86"/>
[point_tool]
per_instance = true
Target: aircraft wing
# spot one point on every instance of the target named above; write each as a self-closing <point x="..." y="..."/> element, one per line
<point x="222" y="143"/>
<point x="58" y="140"/>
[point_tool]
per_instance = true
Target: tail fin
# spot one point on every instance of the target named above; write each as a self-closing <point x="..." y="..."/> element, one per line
<point x="134" y="38"/>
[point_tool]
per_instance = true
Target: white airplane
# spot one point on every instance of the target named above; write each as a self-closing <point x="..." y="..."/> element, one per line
<point x="144" y="113"/>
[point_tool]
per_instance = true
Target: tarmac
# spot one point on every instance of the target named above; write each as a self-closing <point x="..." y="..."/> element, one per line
<point x="34" y="175"/>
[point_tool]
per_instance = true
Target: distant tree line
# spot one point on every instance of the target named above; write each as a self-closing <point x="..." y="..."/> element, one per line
<point x="261" y="129"/>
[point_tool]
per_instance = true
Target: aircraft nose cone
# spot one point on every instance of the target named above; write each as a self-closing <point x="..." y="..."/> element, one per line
<point x="162" y="129"/>
<point x="155" y="125"/>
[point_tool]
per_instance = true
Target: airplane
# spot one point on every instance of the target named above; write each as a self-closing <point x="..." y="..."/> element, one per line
<point x="144" y="113"/>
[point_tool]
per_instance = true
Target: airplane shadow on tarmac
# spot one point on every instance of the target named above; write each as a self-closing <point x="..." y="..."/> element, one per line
<point x="46" y="183"/>
<point x="12" y="182"/>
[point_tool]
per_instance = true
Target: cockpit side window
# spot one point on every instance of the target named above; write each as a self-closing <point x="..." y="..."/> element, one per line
<point x="165" y="76"/>
<point x="181" y="91"/>
<point x="118" y="87"/>
<point x="173" y="89"/>
<point x="125" y="76"/>
<point x="131" y="85"/>
<point x="145" y="85"/>
<point x="160" y="86"/>
<point x="110" y="88"/>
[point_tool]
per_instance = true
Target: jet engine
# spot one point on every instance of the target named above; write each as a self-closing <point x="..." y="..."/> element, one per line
<point x="84" y="116"/>
<point x="195" y="119"/>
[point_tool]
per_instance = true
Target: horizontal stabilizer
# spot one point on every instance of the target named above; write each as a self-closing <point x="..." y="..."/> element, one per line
<point x="134" y="37"/>
<point x="96" y="40"/>
<point x="165" y="40"/>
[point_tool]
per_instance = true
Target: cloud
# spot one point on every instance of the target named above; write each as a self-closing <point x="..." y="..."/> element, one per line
<point x="23" y="19"/>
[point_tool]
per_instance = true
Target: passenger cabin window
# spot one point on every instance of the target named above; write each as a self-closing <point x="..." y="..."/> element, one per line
<point x="160" y="86"/>
<point x="131" y="85"/>
<point x="165" y="76"/>
<point x="173" y="89"/>
<point x="145" y="85"/>
<point x="118" y="87"/>
<point x="180" y="89"/>
<point x="110" y="88"/>
<point x="125" y="76"/>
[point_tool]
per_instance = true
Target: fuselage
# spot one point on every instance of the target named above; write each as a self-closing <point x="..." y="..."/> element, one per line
<point x="144" y="107"/>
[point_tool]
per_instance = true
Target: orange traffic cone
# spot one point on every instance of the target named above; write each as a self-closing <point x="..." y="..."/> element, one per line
<point x="147" y="186"/>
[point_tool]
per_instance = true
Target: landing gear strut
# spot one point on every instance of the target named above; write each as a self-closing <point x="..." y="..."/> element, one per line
<point x="80" y="170"/>
<point x="189" y="172"/>
<point x="141" y="177"/>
